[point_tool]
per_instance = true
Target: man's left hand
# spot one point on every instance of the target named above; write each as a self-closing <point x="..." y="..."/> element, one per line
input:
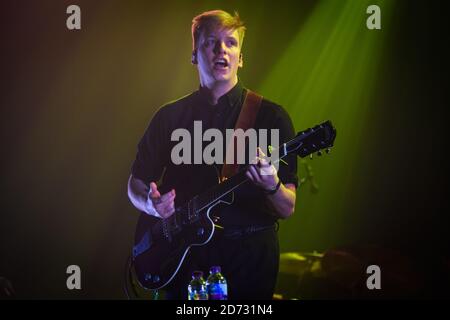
<point x="262" y="173"/>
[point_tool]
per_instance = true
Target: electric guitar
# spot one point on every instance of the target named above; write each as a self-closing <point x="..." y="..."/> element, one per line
<point x="161" y="245"/>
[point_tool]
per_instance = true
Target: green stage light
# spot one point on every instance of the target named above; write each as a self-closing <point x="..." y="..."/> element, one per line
<point x="329" y="71"/>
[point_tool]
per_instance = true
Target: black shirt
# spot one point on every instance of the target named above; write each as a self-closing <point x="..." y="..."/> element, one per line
<point x="153" y="159"/>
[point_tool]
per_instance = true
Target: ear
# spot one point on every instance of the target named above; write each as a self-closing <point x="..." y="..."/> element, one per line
<point x="194" y="57"/>
<point x="241" y="61"/>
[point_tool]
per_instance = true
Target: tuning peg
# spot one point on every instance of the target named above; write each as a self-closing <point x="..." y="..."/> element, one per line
<point x="328" y="150"/>
<point x="319" y="153"/>
<point x="311" y="156"/>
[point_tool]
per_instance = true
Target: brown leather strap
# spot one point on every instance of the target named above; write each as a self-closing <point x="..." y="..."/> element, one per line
<point x="245" y="121"/>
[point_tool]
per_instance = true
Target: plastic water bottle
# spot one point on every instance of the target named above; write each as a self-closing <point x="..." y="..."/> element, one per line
<point x="197" y="287"/>
<point x="216" y="285"/>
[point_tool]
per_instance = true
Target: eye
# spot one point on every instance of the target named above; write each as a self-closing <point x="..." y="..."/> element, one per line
<point x="231" y="43"/>
<point x="210" y="42"/>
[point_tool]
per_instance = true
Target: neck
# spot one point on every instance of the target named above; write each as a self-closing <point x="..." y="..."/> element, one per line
<point x="214" y="90"/>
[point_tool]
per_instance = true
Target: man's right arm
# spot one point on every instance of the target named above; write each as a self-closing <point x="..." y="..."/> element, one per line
<point x="148" y="199"/>
<point x="138" y="194"/>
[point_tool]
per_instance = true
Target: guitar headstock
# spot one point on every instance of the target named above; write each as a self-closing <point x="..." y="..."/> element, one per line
<point x="316" y="139"/>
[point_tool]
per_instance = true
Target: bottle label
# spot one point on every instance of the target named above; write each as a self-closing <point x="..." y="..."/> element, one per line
<point x="197" y="295"/>
<point x="218" y="291"/>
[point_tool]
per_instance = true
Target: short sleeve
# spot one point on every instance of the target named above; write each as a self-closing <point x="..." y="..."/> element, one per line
<point x="287" y="170"/>
<point x="151" y="156"/>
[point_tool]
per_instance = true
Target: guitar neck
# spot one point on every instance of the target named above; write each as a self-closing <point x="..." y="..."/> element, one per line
<point x="219" y="191"/>
<point x="303" y="144"/>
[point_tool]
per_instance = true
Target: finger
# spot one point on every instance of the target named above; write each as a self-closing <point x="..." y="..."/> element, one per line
<point x="164" y="207"/>
<point x="156" y="202"/>
<point x="154" y="191"/>
<point x="170" y="194"/>
<point x="249" y="175"/>
<point x="261" y="154"/>
<point x="167" y="200"/>
<point x="255" y="174"/>
<point x="262" y="162"/>
<point x="251" y="172"/>
<point x="168" y="209"/>
<point x="268" y="170"/>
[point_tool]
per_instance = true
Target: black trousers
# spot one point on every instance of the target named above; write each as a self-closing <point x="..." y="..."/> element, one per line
<point x="249" y="262"/>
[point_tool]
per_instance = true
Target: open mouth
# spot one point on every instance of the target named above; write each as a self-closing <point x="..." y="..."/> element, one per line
<point x="220" y="64"/>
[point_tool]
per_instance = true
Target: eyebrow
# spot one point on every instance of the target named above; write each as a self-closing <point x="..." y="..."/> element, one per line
<point x="214" y="37"/>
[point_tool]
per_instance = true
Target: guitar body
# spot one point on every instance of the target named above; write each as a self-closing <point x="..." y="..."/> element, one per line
<point x="158" y="254"/>
<point x="159" y="264"/>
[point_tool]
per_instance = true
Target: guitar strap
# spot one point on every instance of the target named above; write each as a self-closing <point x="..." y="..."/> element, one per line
<point x="245" y="121"/>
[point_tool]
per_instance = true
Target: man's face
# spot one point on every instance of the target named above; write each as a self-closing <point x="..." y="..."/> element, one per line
<point x="218" y="55"/>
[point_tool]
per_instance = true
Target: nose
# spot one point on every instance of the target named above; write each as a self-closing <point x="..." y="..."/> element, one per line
<point x="220" y="47"/>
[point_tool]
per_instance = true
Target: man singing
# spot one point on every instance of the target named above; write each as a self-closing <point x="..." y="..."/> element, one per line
<point x="246" y="247"/>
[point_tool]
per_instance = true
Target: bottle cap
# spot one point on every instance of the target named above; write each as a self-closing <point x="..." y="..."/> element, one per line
<point x="214" y="269"/>
<point x="197" y="274"/>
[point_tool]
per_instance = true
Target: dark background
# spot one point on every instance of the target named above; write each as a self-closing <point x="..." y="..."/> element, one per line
<point x="71" y="118"/>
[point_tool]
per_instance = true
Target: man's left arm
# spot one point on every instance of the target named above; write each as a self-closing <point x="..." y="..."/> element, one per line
<point x="283" y="200"/>
<point x="281" y="196"/>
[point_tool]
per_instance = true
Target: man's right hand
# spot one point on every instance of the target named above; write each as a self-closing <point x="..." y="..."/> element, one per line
<point x="164" y="204"/>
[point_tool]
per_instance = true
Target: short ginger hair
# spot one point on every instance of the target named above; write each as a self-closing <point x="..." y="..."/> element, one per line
<point x="216" y="18"/>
